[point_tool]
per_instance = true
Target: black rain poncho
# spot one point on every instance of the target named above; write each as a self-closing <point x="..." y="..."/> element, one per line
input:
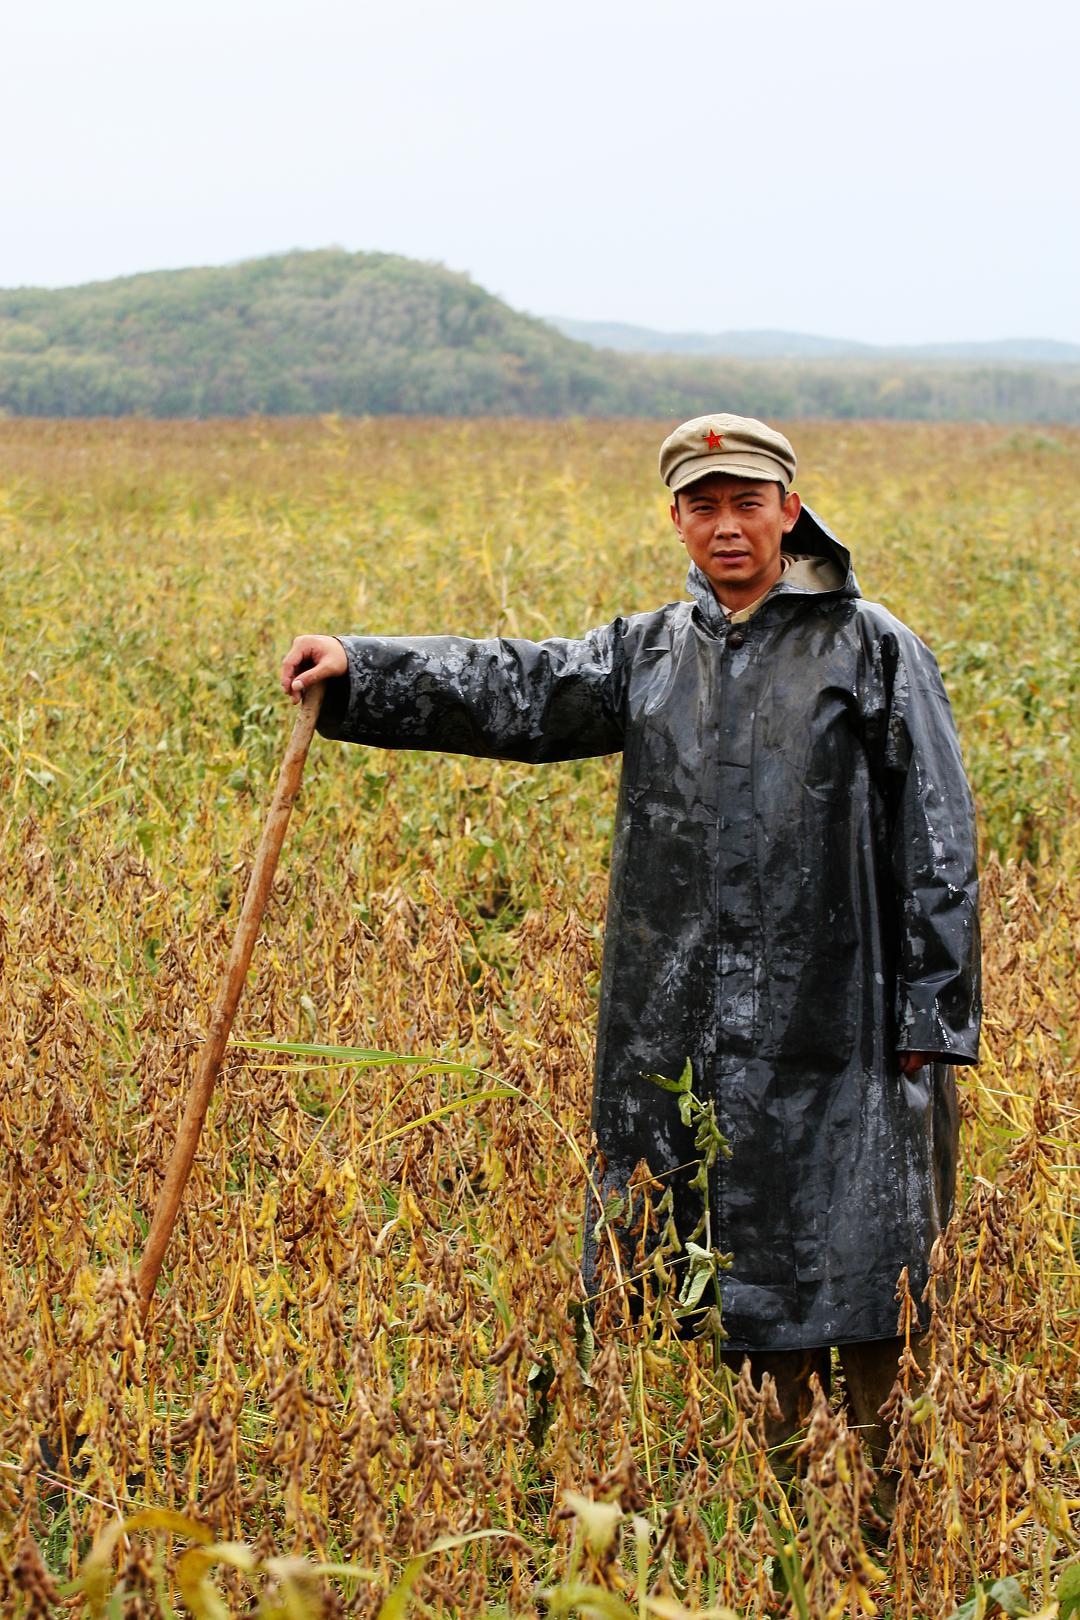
<point x="793" y="900"/>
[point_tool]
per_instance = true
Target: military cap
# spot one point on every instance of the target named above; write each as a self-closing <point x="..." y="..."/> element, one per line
<point x="738" y="445"/>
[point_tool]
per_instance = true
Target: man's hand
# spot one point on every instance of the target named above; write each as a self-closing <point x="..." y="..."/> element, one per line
<point x="311" y="659"/>
<point x="910" y="1061"/>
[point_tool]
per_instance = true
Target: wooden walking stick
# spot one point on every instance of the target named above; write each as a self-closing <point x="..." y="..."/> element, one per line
<point x="232" y="983"/>
<point x="213" y="1048"/>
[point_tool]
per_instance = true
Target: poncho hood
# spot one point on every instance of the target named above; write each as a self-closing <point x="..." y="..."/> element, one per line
<point x="810" y="538"/>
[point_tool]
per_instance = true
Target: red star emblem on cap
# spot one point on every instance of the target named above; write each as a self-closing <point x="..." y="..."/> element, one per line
<point x="713" y="439"/>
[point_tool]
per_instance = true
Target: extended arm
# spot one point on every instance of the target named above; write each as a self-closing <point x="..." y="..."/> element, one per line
<point x="503" y="698"/>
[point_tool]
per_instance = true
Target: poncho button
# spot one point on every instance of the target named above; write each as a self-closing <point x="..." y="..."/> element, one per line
<point x="736" y="638"/>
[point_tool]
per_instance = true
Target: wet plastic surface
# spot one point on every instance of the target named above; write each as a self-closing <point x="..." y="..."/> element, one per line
<point x="793" y="901"/>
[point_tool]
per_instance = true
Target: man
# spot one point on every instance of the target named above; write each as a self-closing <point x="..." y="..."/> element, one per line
<point x="793" y="900"/>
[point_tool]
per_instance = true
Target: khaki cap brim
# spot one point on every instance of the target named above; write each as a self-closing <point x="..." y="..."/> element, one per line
<point x="736" y="464"/>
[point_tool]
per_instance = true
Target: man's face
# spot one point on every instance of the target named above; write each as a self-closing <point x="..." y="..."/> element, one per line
<point x="733" y="529"/>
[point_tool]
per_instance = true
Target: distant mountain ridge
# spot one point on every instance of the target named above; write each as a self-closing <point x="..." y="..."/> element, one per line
<point x="777" y="345"/>
<point x="376" y="333"/>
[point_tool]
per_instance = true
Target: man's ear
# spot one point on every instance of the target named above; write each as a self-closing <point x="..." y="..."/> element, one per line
<point x="674" y="509"/>
<point x="792" y="508"/>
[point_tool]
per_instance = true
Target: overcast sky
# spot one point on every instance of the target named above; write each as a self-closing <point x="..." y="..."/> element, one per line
<point x="888" y="172"/>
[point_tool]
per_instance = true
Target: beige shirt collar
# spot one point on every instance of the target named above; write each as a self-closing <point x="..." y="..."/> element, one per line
<point x="808" y="573"/>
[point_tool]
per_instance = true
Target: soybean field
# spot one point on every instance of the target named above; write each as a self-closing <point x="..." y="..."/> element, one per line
<point x="368" y="1384"/>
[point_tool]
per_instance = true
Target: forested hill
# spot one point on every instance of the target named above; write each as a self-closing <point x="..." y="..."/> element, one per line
<point x="324" y="331"/>
<point x="373" y="333"/>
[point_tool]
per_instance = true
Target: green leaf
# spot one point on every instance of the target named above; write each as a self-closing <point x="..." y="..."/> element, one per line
<point x="396" y="1603"/>
<point x="584" y="1340"/>
<point x="476" y="855"/>
<point x="540" y="1408"/>
<point x="789" y="1563"/>
<point x="356" y="1057"/>
<point x="1068" y="1592"/>
<point x="1007" y="1595"/>
<point x="440" y="1113"/>
<point x="395" y="1606"/>
<point x="665" y="1084"/>
<point x="614" y="1205"/>
<point x="1004" y="1597"/>
<point x="702" y="1271"/>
